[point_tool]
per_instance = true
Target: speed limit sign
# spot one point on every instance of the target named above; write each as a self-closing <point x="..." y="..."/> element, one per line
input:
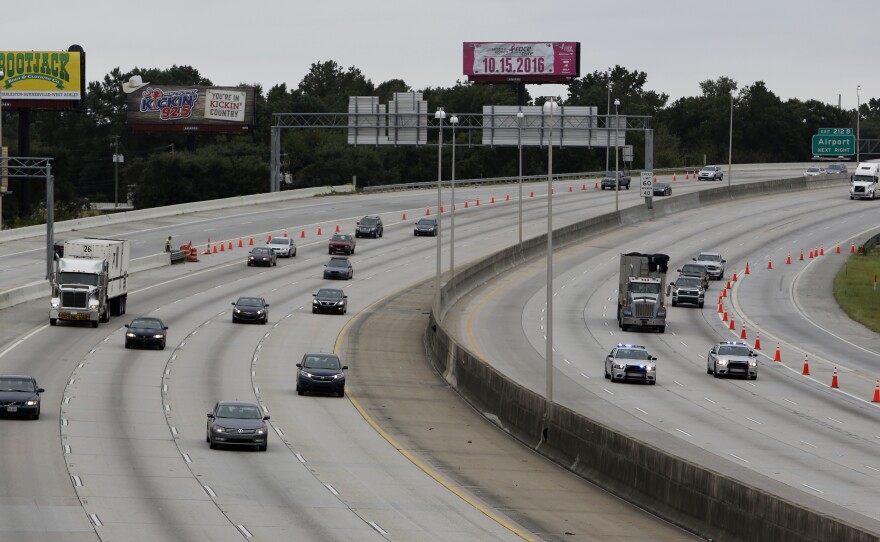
<point x="647" y="184"/>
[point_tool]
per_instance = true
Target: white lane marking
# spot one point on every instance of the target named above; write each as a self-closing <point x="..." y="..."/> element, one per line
<point x="808" y="444"/>
<point x="374" y="525"/>
<point x="77" y="481"/>
<point x="754" y="421"/>
<point x="682" y="342"/>
<point x="164" y="388"/>
<point x="585" y="376"/>
<point x="278" y="430"/>
<point x="682" y="432"/>
<point x="187" y="458"/>
<point x="67" y="448"/>
<point x="173" y="430"/>
<point x="66" y="400"/>
<point x="18" y="342"/>
<point x="332" y="490"/>
<point x="256" y="390"/>
<point x="95" y="521"/>
<point x="210" y="492"/>
<point x="738" y="457"/>
<point x="182" y="344"/>
<point x="607" y="391"/>
<point x="72" y="380"/>
<point x="81" y="365"/>
<point x="92" y="351"/>
<point x="790" y="401"/>
<point x="710" y="400"/>
<point x="245" y="532"/>
<point x="63" y="422"/>
<point x="678" y="383"/>
<point x="167" y="408"/>
<point x="837" y="421"/>
<point x="642" y="411"/>
<point x="265" y="408"/>
<point x="301" y="458"/>
<point x="813" y="488"/>
<point x="872" y="468"/>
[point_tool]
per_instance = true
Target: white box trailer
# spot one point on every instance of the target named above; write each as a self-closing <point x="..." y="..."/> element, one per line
<point x="90" y="282"/>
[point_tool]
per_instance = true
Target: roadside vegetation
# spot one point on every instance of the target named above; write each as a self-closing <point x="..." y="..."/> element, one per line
<point x="856" y="291"/>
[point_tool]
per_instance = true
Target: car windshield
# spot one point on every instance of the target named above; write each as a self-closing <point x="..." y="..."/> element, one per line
<point x="316" y="361"/>
<point x="645" y="287"/>
<point x="146" y="323"/>
<point x="629" y="353"/>
<point x="425" y="222"/>
<point x="693" y="269"/>
<point x="242" y="412"/>
<point x="87" y="279"/>
<point x="709" y="169"/>
<point x="280" y="241"/>
<point x="249" y="302"/>
<point x="368" y="222"/>
<point x="261" y="251"/>
<point x="339" y="238"/>
<point x="812" y="170"/>
<point x="709" y="258"/>
<point x="733" y="351"/>
<point x="330" y="293"/>
<point x="688" y="283"/>
<point x="338" y="262"/>
<point x="16" y="384"/>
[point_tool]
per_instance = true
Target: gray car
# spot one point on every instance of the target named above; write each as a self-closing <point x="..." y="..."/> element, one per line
<point x="283" y="246"/>
<point x="711" y="173"/>
<point x="713" y="262"/>
<point x="338" y="268"/>
<point x="238" y="423"/>
<point x="732" y="358"/>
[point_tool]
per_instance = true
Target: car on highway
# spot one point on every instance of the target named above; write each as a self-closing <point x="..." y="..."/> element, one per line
<point x="814" y="171"/>
<point x="370" y="226"/>
<point x="713" y="262"/>
<point x="732" y="358"/>
<point x="338" y="268"/>
<point x="146" y="331"/>
<point x="330" y="300"/>
<point x="341" y="242"/>
<point x="20" y="396"/>
<point x="687" y="290"/>
<point x="614" y="178"/>
<point x="710" y="173"/>
<point x="250" y="309"/>
<point x="283" y="246"/>
<point x="262" y="256"/>
<point x="836" y="168"/>
<point x="662" y="189"/>
<point x="240" y="423"/>
<point x="631" y="362"/>
<point x="321" y="372"/>
<point x="695" y="270"/>
<point x="426" y="226"/>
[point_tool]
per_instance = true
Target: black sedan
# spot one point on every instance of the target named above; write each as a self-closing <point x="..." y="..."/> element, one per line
<point x="20" y="396"/>
<point x="426" y="226"/>
<point x="146" y="332"/>
<point x="250" y="309"/>
<point x="321" y="372"/>
<point x="662" y="189"/>
<point x="263" y="256"/>
<point x="330" y="300"/>
<point x="338" y="268"/>
<point x="237" y="422"/>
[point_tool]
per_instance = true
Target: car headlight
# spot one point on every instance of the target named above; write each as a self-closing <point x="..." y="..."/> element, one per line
<point x="31" y="403"/>
<point x="236" y="311"/>
<point x="218" y="429"/>
<point x="315" y="302"/>
<point x="158" y="336"/>
<point x="55" y="303"/>
<point x="250" y="258"/>
<point x="619" y="365"/>
<point x="651" y="367"/>
<point x="306" y="374"/>
<point x="627" y="311"/>
<point x="261" y="431"/>
<point x="260" y="311"/>
<point x="337" y="377"/>
<point x="339" y="303"/>
<point x="130" y="334"/>
<point x="93" y="304"/>
<point x="753" y="363"/>
<point x="722" y="362"/>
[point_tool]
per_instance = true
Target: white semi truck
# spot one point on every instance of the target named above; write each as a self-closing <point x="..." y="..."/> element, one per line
<point x="864" y="181"/>
<point x="90" y="283"/>
<point x="641" y="298"/>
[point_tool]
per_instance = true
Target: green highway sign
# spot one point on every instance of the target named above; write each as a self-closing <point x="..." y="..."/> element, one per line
<point x="835" y="131"/>
<point x="834" y="145"/>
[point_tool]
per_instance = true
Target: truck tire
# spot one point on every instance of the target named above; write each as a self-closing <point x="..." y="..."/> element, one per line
<point x="701" y="304"/>
<point x="661" y="329"/>
<point x="53" y="321"/>
<point x="94" y="323"/>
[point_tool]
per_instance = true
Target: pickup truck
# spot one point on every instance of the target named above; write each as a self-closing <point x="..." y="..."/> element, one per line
<point x="342" y="242"/>
<point x="611" y="182"/>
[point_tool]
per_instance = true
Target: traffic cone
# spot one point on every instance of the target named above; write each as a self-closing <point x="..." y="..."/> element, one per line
<point x="221" y="247"/>
<point x="724" y="292"/>
<point x="492" y="200"/>
<point x="269" y="239"/>
<point x="570" y="189"/>
<point x="584" y="186"/>
<point x="403" y="217"/>
<point x="778" y="356"/>
<point x="285" y="235"/>
<point x="747" y="268"/>
<point x="728" y="285"/>
<point x="531" y="194"/>
<point x="734" y="276"/>
<point x="770" y="263"/>
<point x="240" y="242"/>
<point x="597" y="185"/>
<point x="725" y="319"/>
<point x="250" y="240"/>
<point x="442" y="209"/>
<point x="655" y="178"/>
<point x="337" y="226"/>
<point x="302" y="234"/>
<point x="465" y="205"/>
<point x="802" y="256"/>
<point x="811" y="254"/>
<point x="687" y="176"/>
<point x="876" y="398"/>
<point x="758" y="342"/>
<point x="838" y="249"/>
<point x="673" y="177"/>
<point x="319" y="230"/>
<point x="806" y="371"/>
<point x="427" y="211"/>
<point x="720" y="307"/>
<point x="834" y="378"/>
<point x="507" y="197"/>
<point x="852" y="248"/>
<point x="742" y="334"/>
<point x="230" y="245"/>
<point x="732" y="324"/>
<point x="788" y="259"/>
<point x="207" y="250"/>
<point x="215" y="249"/>
<point x="822" y="251"/>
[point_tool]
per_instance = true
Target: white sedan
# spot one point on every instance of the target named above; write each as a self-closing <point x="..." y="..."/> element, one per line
<point x="283" y="246"/>
<point x="814" y="171"/>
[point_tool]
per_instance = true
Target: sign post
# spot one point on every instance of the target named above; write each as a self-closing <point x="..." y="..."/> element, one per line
<point x="647" y="185"/>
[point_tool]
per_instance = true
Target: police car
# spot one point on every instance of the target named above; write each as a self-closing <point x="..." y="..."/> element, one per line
<point x="732" y="358"/>
<point x="631" y="362"/>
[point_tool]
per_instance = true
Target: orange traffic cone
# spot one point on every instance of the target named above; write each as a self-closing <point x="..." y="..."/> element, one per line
<point x="806" y="370"/>
<point x="838" y="249"/>
<point x="747" y="268"/>
<point x="778" y="356"/>
<point x="720" y="307"/>
<point x="240" y="242"/>
<point x="207" y="250"/>
<point x="584" y="186"/>
<point x="802" y="256"/>
<point x="427" y="211"/>
<point x="725" y="319"/>
<point x="507" y="197"/>
<point x="465" y="205"/>
<point x="673" y="177"/>
<point x="597" y="185"/>
<point x="655" y="178"/>
<point x="250" y="240"/>
<point x="728" y="285"/>
<point x="732" y="324"/>
<point x="477" y="203"/>
<point x="788" y="260"/>
<point x="442" y="209"/>
<point x="852" y="248"/>
<point x="811" y="254"/>
<point x="493" y="200"/>
<point x="319" y="230"/>
<point x="285" y="235"/>
<point x="403" y="217"/>
<point x="742" y="335"/>
<point x="531" y="194"/>
<point x="770" y="263"/>
<point x="758" y="342"/>
<point x="269" y="239"/>
<point x="337" y="226"/>
<point x="724" y="292"/>
<point x="302" y="234"/>
<point x="221" y="247"/>
<point x="687" y="176"/>
<point x="834" y="378"/>
<point x="570" y="189"/>
<point x="876" y="398"/>
<point x="230" y="245"/>
<point x="734" y="276"/>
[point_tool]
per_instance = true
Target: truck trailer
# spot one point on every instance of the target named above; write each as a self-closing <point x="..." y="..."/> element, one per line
<point x="90" y="283"/>
<point x="641" y="300"/>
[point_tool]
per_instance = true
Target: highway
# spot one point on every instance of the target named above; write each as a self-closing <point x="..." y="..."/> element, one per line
<point x="809" y="439"/>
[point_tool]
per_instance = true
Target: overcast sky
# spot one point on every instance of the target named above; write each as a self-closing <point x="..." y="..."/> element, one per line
<point x="802" y="49"/>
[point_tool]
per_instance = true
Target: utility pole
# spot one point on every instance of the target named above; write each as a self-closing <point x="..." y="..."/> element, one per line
<point x="116" y="171"/>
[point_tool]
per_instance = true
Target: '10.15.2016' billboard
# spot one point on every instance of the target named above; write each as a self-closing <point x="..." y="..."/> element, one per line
<point x="523" y="61"/>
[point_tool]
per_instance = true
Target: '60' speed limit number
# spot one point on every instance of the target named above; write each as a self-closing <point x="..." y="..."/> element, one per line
<point x="647" y="184"/>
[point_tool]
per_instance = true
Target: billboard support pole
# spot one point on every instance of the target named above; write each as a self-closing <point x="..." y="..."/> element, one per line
<point x="275" y="159"/>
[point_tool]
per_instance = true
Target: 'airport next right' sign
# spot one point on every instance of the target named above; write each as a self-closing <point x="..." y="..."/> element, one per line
<point x="834" y="142"/>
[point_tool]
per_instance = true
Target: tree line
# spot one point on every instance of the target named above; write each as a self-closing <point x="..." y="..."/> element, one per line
<point x="168" y="168"/>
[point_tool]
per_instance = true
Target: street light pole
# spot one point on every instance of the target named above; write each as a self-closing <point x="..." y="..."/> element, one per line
<point x="549" y="106"/>
<point x="858" y="118"/>
<point x="453" y="121"/>
<point x="616" y="163"/>
<point x="439" y="115"/>
<point x="519" y="119"/>
<point x="3" y="171"/>
<point x="607" y="116"/>
<point x="730" y="149"/>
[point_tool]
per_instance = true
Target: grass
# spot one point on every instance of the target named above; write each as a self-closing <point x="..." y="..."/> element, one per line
<point x="855" y="289"/>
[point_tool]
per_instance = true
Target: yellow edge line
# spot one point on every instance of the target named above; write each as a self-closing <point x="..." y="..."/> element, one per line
<point x="473" y="313"/>
<point x="424" y="468"/>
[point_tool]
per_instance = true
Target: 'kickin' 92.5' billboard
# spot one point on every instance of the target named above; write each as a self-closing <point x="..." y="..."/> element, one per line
<point x="171" y="108"/>
<point x="522" y="61"/>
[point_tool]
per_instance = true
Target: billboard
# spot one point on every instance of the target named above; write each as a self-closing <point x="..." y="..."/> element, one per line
<point x="173" y="108"/>
<point x="42" y="79"/>
<point x="522" y="61"/>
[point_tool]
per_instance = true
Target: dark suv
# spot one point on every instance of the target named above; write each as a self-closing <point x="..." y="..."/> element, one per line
<point x="610" y="182"/>
<point x="369" y="226"/>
